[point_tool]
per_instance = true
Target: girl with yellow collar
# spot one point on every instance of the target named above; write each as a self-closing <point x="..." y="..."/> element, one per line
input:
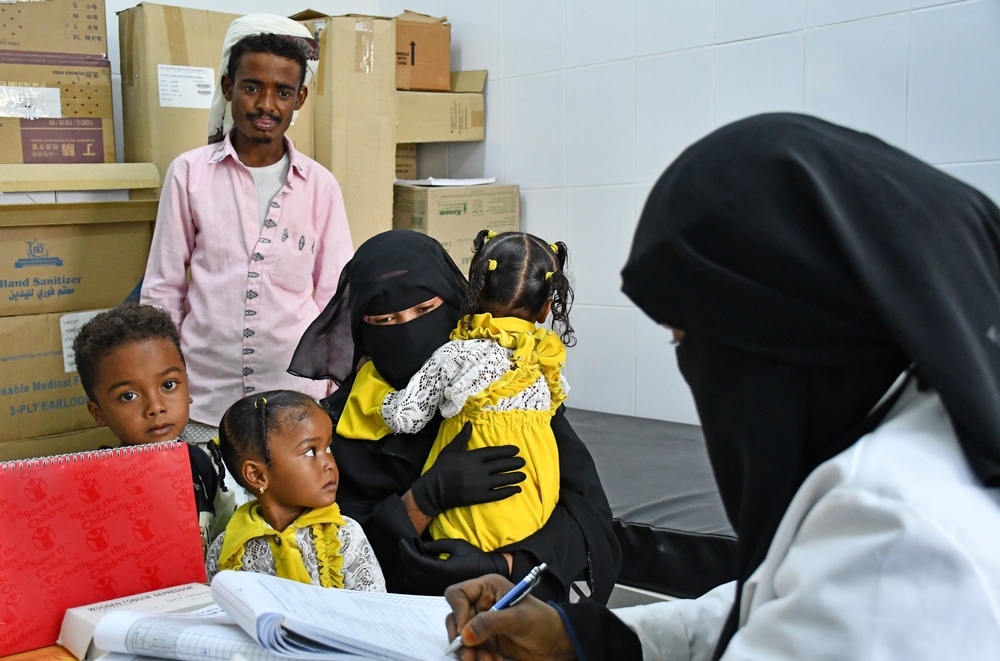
<point x="500" y="376"/>
<point x="278" y="445"/>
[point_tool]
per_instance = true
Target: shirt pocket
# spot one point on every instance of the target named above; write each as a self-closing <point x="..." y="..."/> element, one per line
<point x="293" y="266"/>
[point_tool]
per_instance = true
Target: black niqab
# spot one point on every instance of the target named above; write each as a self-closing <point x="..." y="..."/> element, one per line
<point x="808" y="264"/>
<point x="391" y="271"/>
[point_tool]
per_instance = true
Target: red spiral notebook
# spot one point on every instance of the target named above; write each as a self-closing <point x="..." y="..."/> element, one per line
<point x="81" y="528"/>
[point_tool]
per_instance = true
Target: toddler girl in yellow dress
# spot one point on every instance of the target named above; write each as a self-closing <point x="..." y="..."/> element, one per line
<point x="501" y="372"/>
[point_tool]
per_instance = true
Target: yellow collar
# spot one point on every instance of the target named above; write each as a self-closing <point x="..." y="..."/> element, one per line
<point x="324" y="523"/>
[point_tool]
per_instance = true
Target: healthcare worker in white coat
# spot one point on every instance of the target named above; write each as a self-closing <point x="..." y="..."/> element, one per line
<point x="836" y="307"/>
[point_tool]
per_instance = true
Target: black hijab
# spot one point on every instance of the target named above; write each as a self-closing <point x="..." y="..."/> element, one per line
<point x="391" y="271"/>
<point x="808" y="264"/>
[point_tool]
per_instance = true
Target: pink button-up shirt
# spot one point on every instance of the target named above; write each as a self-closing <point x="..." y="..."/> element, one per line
<point x="252" y="291"/>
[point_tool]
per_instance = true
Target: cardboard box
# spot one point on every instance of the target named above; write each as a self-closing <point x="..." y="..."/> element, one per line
<point x="74" y="177"/>
<point x="355" y="114"/>
<point x="38" y="395"/>
<point x="63" y="26"/>
<point x="423" y="52"/>
<point x="455" y="214"/>
<point x="55" y="109"/>
<point x="170" y="67"/>
<point x="62" y="257"/>
<point x="406" y="162"/>
<point x="77" y="632"/>
<point x="46" y="446"/>
<point x="455" y="116"/>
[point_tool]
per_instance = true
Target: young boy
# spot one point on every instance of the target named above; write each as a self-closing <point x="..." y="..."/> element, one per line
<point x="131" y="367"/>
<point x="250" y="235"/>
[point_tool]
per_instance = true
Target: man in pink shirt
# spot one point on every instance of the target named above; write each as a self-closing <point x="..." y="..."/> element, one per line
<point x="260" y="227"/>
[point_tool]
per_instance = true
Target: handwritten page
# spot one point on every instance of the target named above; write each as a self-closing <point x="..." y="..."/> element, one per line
<point x="302" y="620"/>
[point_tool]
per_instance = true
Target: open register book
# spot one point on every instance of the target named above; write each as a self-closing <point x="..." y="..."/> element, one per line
<point x="278" y="618"/>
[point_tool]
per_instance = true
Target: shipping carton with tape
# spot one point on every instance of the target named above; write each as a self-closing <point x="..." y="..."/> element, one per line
<point x="55" y="109"/>
<point x="423" y="52"/>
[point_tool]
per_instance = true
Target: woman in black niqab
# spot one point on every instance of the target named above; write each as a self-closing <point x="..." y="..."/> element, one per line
<point x="817" y="279"/>
<point x="808" y="265"/>
<point x="393" y="272"/>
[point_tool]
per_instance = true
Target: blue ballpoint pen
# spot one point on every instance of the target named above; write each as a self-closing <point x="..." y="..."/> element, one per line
<point x="516" y="594"/>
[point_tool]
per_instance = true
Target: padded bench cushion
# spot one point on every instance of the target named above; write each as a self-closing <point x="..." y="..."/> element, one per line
<point x="668" y="516"/>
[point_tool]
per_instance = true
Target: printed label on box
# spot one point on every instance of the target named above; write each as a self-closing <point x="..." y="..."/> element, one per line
<point x="30" y="102"/>
<point x="31" y="287"/>
<point x="69" y="327"/>
<point x="186" y="87"/>
<point x="53" y="396"/>
<point x="68" y="140"/>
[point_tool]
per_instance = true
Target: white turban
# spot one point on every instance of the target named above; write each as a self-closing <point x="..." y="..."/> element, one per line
<point x="220" y="119"/>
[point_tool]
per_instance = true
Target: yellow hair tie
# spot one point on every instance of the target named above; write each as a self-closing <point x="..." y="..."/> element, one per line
<point x="548" y="275"/>
<point x="216" y="440"/>
<point x="554" y="247"/>
<point x="490" y="235"/>
<point x="491" y="265"/>
<point x="262" y="399"/>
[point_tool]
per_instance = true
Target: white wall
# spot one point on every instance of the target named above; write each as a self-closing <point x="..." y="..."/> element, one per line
<point x="587" y="106"/>
<point x="588" y="101"/>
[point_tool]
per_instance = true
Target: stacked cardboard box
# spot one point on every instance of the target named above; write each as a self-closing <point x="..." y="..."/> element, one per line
<point x="355" y="114"/>
<point x="458" y="116"/>
<point x="59" y="262"/>
<point x="423" y="52"/>
<point x="55" y="83"/>
<point x="455" y="214"/>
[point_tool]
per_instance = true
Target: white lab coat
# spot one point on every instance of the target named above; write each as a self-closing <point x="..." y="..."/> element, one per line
<point x="890" y="550"/>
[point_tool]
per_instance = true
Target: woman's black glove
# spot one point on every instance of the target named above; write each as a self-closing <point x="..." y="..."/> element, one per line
<point x="459" y="477"/>
<point x="431" y="575"/>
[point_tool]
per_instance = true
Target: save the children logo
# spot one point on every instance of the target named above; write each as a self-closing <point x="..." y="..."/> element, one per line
<point x="38" y="255"/>
<point x="89" y="491"/>
<point x="106" y="588"/>
<point x="8" y="615"/>
<point x="151" y="578"/>
<point x="43" y="538"/>
<point x="143" y="530"/>
<point x="34" y="489"/>
<point x="97" y="539"/>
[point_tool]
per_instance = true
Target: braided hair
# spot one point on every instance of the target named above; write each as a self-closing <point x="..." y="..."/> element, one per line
<point x="514" y="274"/>
<point x="246" y="425"/>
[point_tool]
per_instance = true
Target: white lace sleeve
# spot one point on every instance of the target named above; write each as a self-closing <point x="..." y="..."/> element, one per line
<point x="486" y="362"/>
<point x="256" y="557"/>
<point x="361" y="569"/>
<point x="408" y="410"/>
<point x="212" y="556"/>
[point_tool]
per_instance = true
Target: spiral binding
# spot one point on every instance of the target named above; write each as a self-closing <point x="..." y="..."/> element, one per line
<point x="75" y="457"/>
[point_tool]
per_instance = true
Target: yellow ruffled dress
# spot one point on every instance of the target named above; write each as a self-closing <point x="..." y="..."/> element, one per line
<point x="537" y="353"/>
